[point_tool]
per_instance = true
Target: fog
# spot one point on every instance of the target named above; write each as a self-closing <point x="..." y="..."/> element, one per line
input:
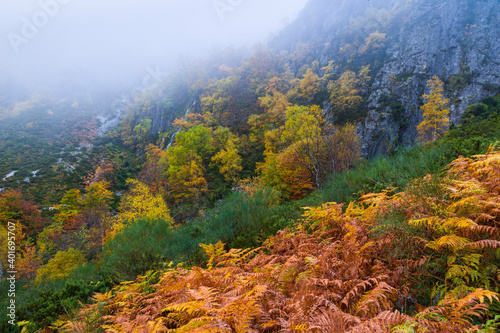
<point x="93" y="44"/>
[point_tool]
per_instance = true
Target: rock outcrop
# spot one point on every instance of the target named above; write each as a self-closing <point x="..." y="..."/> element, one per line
<point x="456" y="40"/>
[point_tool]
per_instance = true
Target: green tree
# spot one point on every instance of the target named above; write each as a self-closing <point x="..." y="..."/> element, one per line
<point x="143" y="128"/>
<point x="197" y="139"/>
<point x="435" y="112"/>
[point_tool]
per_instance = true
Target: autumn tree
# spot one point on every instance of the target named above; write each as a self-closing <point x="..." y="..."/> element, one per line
<point x="60" y="266"/>
<point x="435" y="112"/>
<point x="294" y="173"/>
<point x="28" y="263"/>
<point x="374" y="42"/>
<point x="186" y="163"/>
<point x="229" y="101"/>
<point x="301" y="53"/>
<point x="318" y="146"/>
<point x="96" y="200"/>
<point x="26" y="216"/>
<point x="302" y="122"/>
<point x="260" y="66"/>
<point x="71" y="206"/>
<point x="138" y="203"/>
<point x="191" y="120"/>
<point x="302" y="133"/>
<point x="142" y="130"/>
<point x="82" y="218"/>
<point x="309" y="85"/>
<point x="270" y="170"/>
<point x="152" y="172"/>
<point x="275" y="103"/>
<point x="346" y="94"/>
<point x="201" y="154"/>
<point x="227" y="160"/>
<point x="300" y="155"/>
<point x="342" y="148"/>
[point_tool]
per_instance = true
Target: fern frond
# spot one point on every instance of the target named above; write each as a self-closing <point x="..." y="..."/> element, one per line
<point x="376" y="300"/>
<point x="203" y="325"/>
<point x="484" y="229"/>
<point x="467" y="205"/>
<point x="156" y="326"/>
<point x="195" y="308"/>
<point x="355" y="293"/>
<point x="203" y="294"/>
<point x="484" y="244"/>
<point x="237" y="257"/>
<point x="214" y="252"/>
<point x="328" y="321"/>
<point x="459" y="223"/>
<point x="450" y="242"/>
<point x="433" y="222"/>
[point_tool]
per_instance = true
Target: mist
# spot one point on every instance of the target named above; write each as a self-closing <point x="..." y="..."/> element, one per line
<point x="93" y="45"/>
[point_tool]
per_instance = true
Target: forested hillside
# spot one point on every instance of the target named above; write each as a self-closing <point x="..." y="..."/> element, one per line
<point x="331" y="181"/>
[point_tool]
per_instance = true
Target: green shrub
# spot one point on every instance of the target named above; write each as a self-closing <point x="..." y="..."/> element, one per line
<point x="239" y="221"/>
<point x="474" y="112"/>
<point x="42" y="304"/>
<point x="243" y="221"/>
<point x="138" y="248"/>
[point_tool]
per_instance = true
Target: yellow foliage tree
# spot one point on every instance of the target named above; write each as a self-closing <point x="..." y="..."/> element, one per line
<point x="346" y="93"/>
<point x="435" y="112"/>
<point x="302" y="122"/>
<point x="60" y="266"/>
<point x="309" y="85"/>
<point x="374" y="42"/>
<point x="138" y="203"/>
<point x="229" y="162"/>
<point x="187" y="181"/>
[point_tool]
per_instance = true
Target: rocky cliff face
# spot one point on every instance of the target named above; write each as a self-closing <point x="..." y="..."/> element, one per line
<point x="457" y="40"/>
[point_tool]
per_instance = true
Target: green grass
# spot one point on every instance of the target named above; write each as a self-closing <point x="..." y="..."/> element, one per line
<point x="382" y="173"/>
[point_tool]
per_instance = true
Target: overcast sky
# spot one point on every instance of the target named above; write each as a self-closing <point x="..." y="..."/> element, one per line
<point x="101" y="40"/>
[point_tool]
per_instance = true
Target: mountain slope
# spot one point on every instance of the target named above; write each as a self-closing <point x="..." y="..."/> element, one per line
<point x="457" y="40"/>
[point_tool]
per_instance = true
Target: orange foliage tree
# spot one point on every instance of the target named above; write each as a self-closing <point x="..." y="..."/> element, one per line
<point x="301" y="154"/>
